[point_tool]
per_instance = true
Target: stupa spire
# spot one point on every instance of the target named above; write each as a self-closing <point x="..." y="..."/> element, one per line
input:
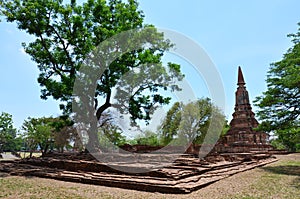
<point x="241" y="80"/>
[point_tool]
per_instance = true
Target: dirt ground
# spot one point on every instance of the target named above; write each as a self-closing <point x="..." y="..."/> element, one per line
<point x="277" y="180"/>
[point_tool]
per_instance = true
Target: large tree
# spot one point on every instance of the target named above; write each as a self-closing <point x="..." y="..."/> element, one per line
<point x="279" y="105"/>
<point x="65" y="34"/>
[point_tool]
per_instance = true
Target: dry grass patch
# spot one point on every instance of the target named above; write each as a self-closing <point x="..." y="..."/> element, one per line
<point x="278" y="180"/>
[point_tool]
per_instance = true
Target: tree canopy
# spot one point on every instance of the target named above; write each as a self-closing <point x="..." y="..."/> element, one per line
<point x="47" y="133"/>
<point x="190" y="122"/>
<point x="8" y="134"/>
<point x="279" y="105"/>
<point x="171" y="122"/>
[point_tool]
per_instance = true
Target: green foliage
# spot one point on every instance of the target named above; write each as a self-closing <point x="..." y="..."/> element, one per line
<point x="65" y="34"/>
<point x="170" y="124"/>
<point x="279" y="105"/>
<point x="47" y="133"/>
<point x="8" y="134"/>
<point x="37" y="133"/>
<point x="64" y="132"/>
<point x="290" y="138"/>
<point x="190" y="122"/>
<point x="277" y="144"/>
<point x="143" y="87"/>
<point x="110" y="137"/>
<point x="148" y="138"/>
<point x="109" y="134"/>
<point x="1" y="4"/>
<point x="225" y="128"/>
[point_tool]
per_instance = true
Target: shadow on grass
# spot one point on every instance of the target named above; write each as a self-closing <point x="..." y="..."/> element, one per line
<point x="286" y="170"/>
<point x="5" y="175"/>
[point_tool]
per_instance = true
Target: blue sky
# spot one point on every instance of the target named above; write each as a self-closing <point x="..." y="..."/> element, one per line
<point x="250" y="34"/>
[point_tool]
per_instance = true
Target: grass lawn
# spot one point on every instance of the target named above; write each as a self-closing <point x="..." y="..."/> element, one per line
<point x="279" y="180"/>
<point x="274" y="181"/>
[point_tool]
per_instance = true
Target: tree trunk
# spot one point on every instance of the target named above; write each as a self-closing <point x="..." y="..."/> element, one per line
<point x="93" y="145"/>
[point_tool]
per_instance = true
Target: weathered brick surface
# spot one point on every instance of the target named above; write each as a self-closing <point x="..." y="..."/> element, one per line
<point x="186" y="174"/>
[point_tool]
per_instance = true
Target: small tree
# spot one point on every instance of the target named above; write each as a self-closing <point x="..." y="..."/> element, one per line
<point x="47" y="133"/>
<point x="8" y="134"/>
<point x="29" y="135"/>
<point x="37" y="133"/>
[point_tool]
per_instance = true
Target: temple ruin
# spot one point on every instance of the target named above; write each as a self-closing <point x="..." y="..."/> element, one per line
<point x="241" y="149"/>
<point x="242" y="135"/>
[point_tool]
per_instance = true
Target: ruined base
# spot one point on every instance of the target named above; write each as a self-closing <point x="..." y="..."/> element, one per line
<point x="185" y="175"/>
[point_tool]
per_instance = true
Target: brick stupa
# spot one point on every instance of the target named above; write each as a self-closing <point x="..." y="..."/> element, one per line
<point x="242" y="136"/>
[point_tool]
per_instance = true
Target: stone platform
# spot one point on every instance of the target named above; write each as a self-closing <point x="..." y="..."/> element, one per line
<point x="184" y="175"/>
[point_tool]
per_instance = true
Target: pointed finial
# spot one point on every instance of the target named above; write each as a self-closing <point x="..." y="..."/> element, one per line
<point x="241" y="80"/>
